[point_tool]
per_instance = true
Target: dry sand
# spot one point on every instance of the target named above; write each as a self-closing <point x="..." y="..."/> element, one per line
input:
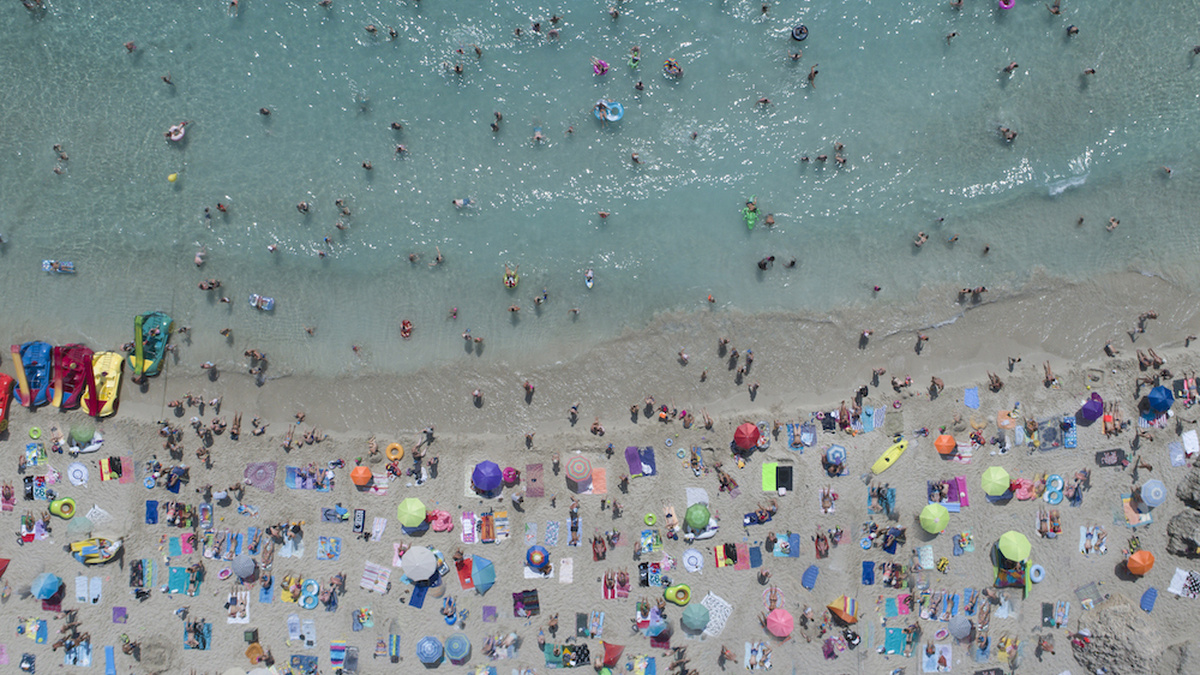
<point x="802" y="366"/>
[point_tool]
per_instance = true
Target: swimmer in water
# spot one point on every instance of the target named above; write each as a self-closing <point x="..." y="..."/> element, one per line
<point x="199" y="259"/>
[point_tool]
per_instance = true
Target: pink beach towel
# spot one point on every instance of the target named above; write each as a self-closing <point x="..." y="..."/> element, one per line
<point x="126" y="471"/>
<point x="534" y="485"/>
<point x="743" y="557"/>
<point x="903" y="608"/>
<point x="599" y="482"/>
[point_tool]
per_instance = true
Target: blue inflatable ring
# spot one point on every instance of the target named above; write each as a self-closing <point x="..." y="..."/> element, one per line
<point x="149" y="482"/>
<point x="1054" y="497"/>
<point x="680" y="453"/>
<point x="800" y="33"/>
<point x="668" y="442"/>
<point x="1036" y="574"/>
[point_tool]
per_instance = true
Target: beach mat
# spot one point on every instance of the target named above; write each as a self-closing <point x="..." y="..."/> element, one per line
<point x="599" y="481"/>
<point x="418" y="597"/>
<point x="743" y="557"/>
<point x="756" y="557"/>
<point x="151" y="512"/>
<point x="783" y="478"/>
<point x="534" y="482"/>
<point x="768" y="476"/>
<point x="809" y="580"/>
<point x="793" y="545"/>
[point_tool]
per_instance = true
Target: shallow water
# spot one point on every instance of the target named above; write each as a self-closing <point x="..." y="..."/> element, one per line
<point x="918" y="119"/>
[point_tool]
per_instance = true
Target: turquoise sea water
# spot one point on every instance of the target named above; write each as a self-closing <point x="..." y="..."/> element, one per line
<point x="918" y="118"/>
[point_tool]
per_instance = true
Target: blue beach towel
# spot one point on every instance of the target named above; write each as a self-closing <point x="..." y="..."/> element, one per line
<point x="1148" y="599"/>
<point x="868" y="419"/>
<point x="151" y="512"/>
<point x="755" y="557"/>
<point x="894" y="642"/>
<point x="177" y="580"/>
<point x="971" y="398"/>
<point x="266" y="595"/>
<point x="868" y="573"/>
<point x="649" y="466"/>
<point x="891" y="608"/>
<point x="794" y="545"/>
<point x="174" y="547"/>
<point x="809" y="580"/>
<point x="418" y="597"/>
<point x="1070" y="432"/>
<point x="110" y="661"/>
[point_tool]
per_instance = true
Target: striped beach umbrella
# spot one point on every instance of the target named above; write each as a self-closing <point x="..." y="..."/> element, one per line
<point x="458" y="649"/>
<point x="1154" y="493"/>
<point x="578" y="469"/>
<point x="537" y="557"/>
<point x="429" y="650"/>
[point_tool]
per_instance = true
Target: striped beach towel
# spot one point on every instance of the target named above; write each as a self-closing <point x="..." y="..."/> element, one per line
<point x="468" y="527"/>
<point x="501" y="525"/>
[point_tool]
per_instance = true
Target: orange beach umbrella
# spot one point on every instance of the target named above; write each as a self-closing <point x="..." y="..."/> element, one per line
<point x="1140" y="562"/>
<point x="361" y="476"/>
<point x="945" y="444"/>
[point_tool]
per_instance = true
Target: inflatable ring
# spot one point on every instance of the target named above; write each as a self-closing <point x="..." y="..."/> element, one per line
<point x="1037" y="573"/>
<point x="865" y="543"/>
<point x="896" y="405"/>
<point x="800" y="33"/>
<point x="680" y="453"/>
<point x="451" y="619"/>
<point x="1008" y="4"/>
<point x="63" y="508"/>
<point x="394" y="451"/>
<point x="680" y="595"/>
<point x="224" y="574"/>
<point x="35" y="433"/>
<point x="1054" y="497"/>
<point x="668" y="442"/>
<point x="1055" y="483"/>
<point x="149" y="482"/>
<point x="308" y="601"/>
<point x="650" y="519"/>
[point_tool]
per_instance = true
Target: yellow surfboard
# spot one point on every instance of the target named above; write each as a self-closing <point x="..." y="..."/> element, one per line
<point x="889" y="458"/>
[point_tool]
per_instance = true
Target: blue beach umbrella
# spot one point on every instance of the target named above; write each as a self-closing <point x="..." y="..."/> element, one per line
<point x="1154" y="493"/>
<point x="458" y="649"/>
<point x="537" y="557"/>
<point x="835" y="455"/>
<point x="483" y="573"/>
<point x="45" y="585"/>
<point x="1160" y="399"/>
<point x="486" y="477"/>
<point x="429" y="650"/>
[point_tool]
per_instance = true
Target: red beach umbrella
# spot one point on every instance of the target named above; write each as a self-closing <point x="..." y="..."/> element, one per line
<point x="746" y="436"/>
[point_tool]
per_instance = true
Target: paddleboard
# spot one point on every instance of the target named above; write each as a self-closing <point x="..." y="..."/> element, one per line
<point x="23" y="393"/>
<point x="588" y="279"/>
<point x="56" y="365"/>
<point x="889" y="457"/>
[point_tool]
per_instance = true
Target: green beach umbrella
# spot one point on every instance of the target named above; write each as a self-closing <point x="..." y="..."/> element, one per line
<point x="695" y="617"/>
<point x="995" y="481"/>
<point x="1015" y="546"/>
<point x="697" y="516"/>
<point x="411" y="512"/>
<point x="934" y="518"/>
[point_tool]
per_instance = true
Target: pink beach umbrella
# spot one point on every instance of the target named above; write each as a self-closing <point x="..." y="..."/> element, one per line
<point x="780" y="623"/>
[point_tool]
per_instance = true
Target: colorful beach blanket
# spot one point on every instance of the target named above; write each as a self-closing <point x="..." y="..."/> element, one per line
<point x="534" y="483"/>
<point x="261" y="475"/>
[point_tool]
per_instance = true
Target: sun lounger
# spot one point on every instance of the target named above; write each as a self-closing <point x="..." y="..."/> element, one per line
<point x="1148" y="598"/>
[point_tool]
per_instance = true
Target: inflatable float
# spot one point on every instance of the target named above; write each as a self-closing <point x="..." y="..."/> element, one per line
<point x="262" y="302"/>
<point x="176" y="132"/>
<point x="800" y="33"/>
<point x="58" y="267"/>
<point x="610" y="111"/>
<point x="511" y="277"/>
<point x="588" y="278"/>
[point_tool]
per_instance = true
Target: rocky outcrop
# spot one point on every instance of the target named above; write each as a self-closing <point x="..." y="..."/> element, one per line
<point x="1183" y="534"/>
<point x="1123" y="639"/>
<point x="1189" y="489"/>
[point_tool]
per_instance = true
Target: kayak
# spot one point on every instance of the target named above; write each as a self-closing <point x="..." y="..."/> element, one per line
<point x="33" y="362"/>
<point x="150" y="334"/>
<point x="6" y="385"/>
<point x="888" y="458"/>
<point x="104" y="383"/>
<point x="70" y="375"/>
<point x="95" y="551"/>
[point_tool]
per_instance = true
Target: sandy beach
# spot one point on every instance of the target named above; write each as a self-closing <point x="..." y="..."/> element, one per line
<point x="793" y="386"/>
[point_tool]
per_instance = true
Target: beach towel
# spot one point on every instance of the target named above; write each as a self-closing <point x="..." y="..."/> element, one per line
<point x="891" y="608"/>
<point x="599" y="482"/>
<point x="755" y="557"/>
<point x="768" y="476"/>
<point x="1148" y="598"/>
<point x="867" y="420"/>
<point x="501" y="525"/>
<point x="1191" y="442"/>
<point x="809" y="580"/>
<point x="81" y="590"/>
<point x="418" y="596"/>
<point x="648" y="462"/>
<point x="375" y="577"/>
<point x="525" y="604"/>
<point x="1133" y="517"/>
<point x="633" y="461"/>
<point x="971" y="398"/>
<point x="464" y="569"/>
<point x="151" y="512"/>
<point x="309" y="634"/>
<point x="893" y="643"/>
<point x="174" y="547"/>
<point x="337" y="653"/>
<point x="490" y="614"/>
<point x="530" y="534"/>
<point x="303" y="663"/>
<point x="566" y="570"/>
<point x="377" y="528"/>
<point x="487" y="528"/>
<point x="531" y="573"/>
<point x="925" y="556"/>
<point x="329" y="548"/>
<point x="177" y="580"/>
<point x="203" y="640"/>
<point x="743" y="557"/>
<point x="868" y="573"/>
<point x="261" y="475"/>
<point x="793" y="443"/>
<point x="718" y="614"/>
<point x="794" y="545"/>
<point x="468" y="527"/>
<point x="1185" y="584"/>
<point x="266" y="595"/>
<point x="242" y="598"/>
<point x="942" y="654"/>
<point x="596" y="625"/>
<point x="110" y="661"/>
<point x="534" y="483"/>
<point x="1114" y="457"/>
<point x="552" y="532"/>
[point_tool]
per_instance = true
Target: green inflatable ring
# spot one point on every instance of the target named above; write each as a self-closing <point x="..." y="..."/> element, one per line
<point x="650" y="519"/>
<point x="35" y="433"/>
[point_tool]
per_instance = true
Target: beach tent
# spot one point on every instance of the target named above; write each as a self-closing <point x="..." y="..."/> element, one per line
<point x="1160" y="399"/>
<point x="419" y="563"/>
<point x="945" y="444"/>
<point x="934" y="518"/>
<point x="483" y="574"/>
<point x="458" y="649"/>
<point x="746" y="437"/>
<point x="361" y="476"/>
<point x="780" y="623"/>
<point x="1154" y="493"/>
<point x="1014" y="546"/>
<point x="1092" y="409"/>
<point x="996" y="481"/>
<point x="960" y="627"/>
<point x="695" y="617"/>
<point x="537" y="557"/>
<point x="243" y="566"/>
<point x="697" y="517"/>
<point x="612" y="654"/>
<point x="45" y="585"/>
<point x="845" y="609"/>
<point x="579" y="473"/>
<point x="429" y="650"/>
<point x="1140" y="563"/>
<point x="411" y="512"/>
<point x="3" y="566"/>
<point x="486" y="476"/>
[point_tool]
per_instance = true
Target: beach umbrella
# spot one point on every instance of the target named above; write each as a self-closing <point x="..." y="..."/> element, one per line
<point x="486" y="476"/>
<point x="82" y="434"/>
<point x="697" y="516"/>
<point x="1014" y="546"/>
<point x="483" y="573"/>
<point x="45" y="585"/>
<point x="361" y="476"/>
<point x="1160" y="399"/>
<point x="243" y="566"/>
<point x="411" y="512"/>
<point x="695" y="617"/>
<point x="579" y="469"/>
<point x="844" y="608"/>
<point x="835" y="455"/>
<point x="1092" y="409"/>
<point x="537" y="557"/>
<point x="4" y="565"/>
<point x="612" y="654"/>
<point x="935" y="518"/>
<point x="945" y="444"/>
<point x="996" y="481"/>
<point x="1140" y="562"/>
<point x="458" y="649"/>
<point x="780" y="623"/>
<point x="746" y="436"/>
<point x="693" y="560"/>
<point x="960" y="627"/>
<point x="429" y="650"/>
<point x="1154" y="493"/>
<point x="419" y="563"/>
